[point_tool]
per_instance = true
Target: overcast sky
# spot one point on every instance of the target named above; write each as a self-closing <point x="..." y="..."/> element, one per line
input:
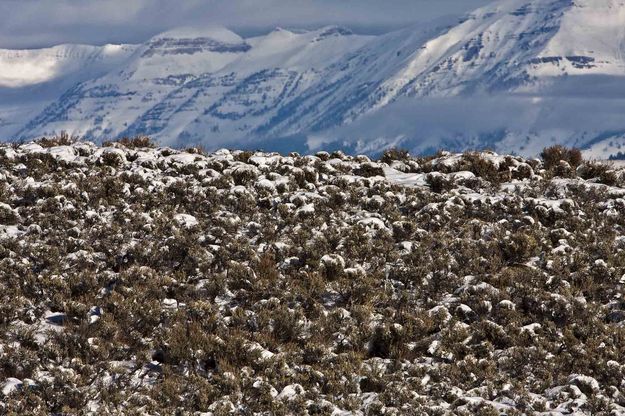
<point x="37" y="23"/>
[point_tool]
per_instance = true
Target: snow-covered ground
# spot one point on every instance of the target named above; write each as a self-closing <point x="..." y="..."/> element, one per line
<point x="157" y="281"/>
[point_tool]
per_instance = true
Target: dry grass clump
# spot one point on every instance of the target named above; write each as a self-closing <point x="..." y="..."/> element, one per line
<point x="154" y="281"/>
<point x="568" y="163"/>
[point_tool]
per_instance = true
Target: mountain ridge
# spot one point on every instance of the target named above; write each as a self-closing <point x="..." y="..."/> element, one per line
<point x="211" y="86"/>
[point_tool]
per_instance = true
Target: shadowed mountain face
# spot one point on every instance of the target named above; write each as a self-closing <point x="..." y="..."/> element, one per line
<point x="215" y="88"/>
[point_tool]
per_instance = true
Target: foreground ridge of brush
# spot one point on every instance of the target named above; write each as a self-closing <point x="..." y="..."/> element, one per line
<point x="144" y="280"/>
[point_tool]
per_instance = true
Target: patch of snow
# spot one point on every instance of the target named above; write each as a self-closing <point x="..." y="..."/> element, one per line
<point x="186" y="220"/>
<point x="290" y="392"/>
<point x="10" y="385"/>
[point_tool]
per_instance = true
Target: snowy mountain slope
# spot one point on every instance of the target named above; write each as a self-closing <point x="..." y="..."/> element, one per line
<point x="492" y="50"/>
<point x="210" y="86"/>
<point x="104" y="106"/>
<point x="590" y="39"/>
<point x="511" y="47"/>
<point x="249" y="92"/>
<point x="534" y="59"/>
<point x="32" y="79"/>
<point x="178" y="76"/>
<point x="350" y="83"/>
<point x="515" y="44"/>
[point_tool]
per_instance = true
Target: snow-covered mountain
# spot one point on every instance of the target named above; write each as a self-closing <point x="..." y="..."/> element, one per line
<point x="197" y="85"/>
<point x="213" y="87"/>
<point x="31" y="79"/>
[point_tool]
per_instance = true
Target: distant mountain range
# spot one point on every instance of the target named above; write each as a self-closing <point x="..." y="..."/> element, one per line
<point x="514" y="76"/>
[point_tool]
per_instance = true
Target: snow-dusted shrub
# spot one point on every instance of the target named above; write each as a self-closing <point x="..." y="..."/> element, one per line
<point x="287" y="324"/>
<point x="601" y="172"/>
<point x="438" y="182"/>
<point x="563" y="169"/>
<point x="369" y="169"/>
<point x="482" y="168"/>
<point x="243" y="173"/>
<point x="113" y="159"/>
<point x="518" y="247"/>
<point x="62" y="139"/>
<point x="385" y="341"/>
<point x="332" y="266"/>
<point x="8" y="216"/>
<point x="552" y="156"/>
<point x="243" y="156"/>
<point x="394" y="154"/>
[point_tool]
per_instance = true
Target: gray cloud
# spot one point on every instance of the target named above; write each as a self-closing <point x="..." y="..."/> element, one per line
<point x="36" y="23"/>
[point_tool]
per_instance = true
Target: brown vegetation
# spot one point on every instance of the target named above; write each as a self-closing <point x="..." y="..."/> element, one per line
<point x="149" y="281"/>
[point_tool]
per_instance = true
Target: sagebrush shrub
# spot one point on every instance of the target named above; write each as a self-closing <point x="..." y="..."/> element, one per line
<point x="553" y="155"/>
<point x="136" y="142"/>
<point x="394" y="154"/>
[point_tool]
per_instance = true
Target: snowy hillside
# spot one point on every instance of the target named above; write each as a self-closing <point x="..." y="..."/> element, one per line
<point x="154" y="281"/>
<point x="217" y="82"/>
<point x="330" y="86"/>
<point x="31" y="79"/>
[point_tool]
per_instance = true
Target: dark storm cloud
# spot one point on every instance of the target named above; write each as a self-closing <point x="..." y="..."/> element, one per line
<point x="35" y="23"/>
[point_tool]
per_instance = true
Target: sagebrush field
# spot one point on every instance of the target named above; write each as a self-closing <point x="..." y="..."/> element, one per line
<point x="144" y="280"/>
